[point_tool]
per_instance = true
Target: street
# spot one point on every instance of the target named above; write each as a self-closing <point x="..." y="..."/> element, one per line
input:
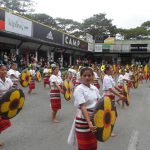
<point x="32" y="128"/>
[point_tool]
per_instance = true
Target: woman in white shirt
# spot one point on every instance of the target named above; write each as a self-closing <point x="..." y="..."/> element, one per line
<point x="56" y="89"/>
<point x="32" y="83"/>
<point x="86" y="96"/>
<point x="5" y="85"/>
<point x="14" y="75"/>
<point x="46" y="73"/>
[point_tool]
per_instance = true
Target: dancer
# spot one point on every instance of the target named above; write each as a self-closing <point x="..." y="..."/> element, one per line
<point x="55" y="91"/>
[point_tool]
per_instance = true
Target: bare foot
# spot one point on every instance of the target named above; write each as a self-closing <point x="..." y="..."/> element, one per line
<point x="55" y="121"/>
<point x="113" y="134"/>
<point x="1" y="144"/>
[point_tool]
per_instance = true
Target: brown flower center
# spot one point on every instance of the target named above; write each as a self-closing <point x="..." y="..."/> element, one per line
<point x="14" y="104"/>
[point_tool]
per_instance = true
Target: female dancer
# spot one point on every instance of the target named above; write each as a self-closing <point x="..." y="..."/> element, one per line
<point x="5" y="85"/>
<point x="32" y="83"/>
<point x="56" y="89"/>
<point x="109" y="87"/>
<point x="86" y="96"/>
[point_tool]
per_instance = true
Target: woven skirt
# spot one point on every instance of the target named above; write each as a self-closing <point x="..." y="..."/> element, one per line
<point x="32" y="85"/>
<point x="4" y="124"/>
<point x="85" y="138"/>
<point x="46" y="80"/>
<point x="55" y="99"/>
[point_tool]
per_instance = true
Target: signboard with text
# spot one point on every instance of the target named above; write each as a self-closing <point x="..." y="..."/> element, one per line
<point x="74" y="42"/>
<point x="18" y="25"/>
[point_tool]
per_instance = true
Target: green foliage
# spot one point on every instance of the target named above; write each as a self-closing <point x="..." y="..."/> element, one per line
<point x="98" y="25"/>
<point x="19" y="6"/>
<point x="43" y="18"/>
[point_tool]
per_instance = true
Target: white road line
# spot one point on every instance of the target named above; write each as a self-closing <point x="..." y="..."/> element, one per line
<point x="133" y="140"/>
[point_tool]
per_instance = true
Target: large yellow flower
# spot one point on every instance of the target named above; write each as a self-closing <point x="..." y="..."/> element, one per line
<point x="105" y="119"/>
<point x="25" y="78"/>
<point x="13" y="105"/>
<point x="68" y="90"/>
<point x="38" y="76"/>
<point x="102" y="67"/>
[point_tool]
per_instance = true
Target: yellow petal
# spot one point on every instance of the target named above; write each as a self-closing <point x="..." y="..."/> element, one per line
<point x="25" y="84"/>
<point x="21" y="103"/>
<point x="66" y="84"/>
<point x="106" y="133"/>
<point x="107" y="103"/>
<point x="5" y="107"/>
<point x="23" y="76"/>
<point x="113" y="117"/>
<point x="15" y="95"/>
<point x="98" y="119"/>
<point x="28" y="73"/>
<point x="12" y="113"/>
<point x="29" y="80"/>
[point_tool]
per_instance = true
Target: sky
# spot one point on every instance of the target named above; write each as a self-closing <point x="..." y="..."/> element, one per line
<point x="125" y="14"/>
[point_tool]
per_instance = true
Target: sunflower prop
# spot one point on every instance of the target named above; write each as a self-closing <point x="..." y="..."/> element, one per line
<point x="38" y="76"/>
<point x="126" y="93"/>
<point x="68" y="86"/>
<point x="25" y="78"/>
<point x="11" y="103"/>
<point x="102" y="67"/>
<point x="136" y="81"/>
<point x="104" y="119"/>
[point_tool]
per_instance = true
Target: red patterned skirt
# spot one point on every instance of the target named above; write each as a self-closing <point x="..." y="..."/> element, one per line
<point x="85" y="138"/>
<point x="95" y="82"/>
<point x="32" y="85"/>
<point x="55" y="99"/>
<point x="46" y="80"/>
<point x="120" y="86"/>
<point x="74" y="80"/>
<point x="77" y="83"/>
<point x="4" y="124"/>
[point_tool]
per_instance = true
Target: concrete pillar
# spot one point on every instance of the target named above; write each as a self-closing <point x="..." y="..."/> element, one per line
<point x="52" y="56"/>
<point x="70" y="60"/>
<point x="62" y="60"/>
<point x="36" y="55"/>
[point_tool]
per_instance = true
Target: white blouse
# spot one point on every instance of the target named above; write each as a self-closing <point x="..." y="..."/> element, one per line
<point x="56" y="79"/>
<point x="32" y="72"/>
<point x="108" y="82"/>
<point x="121" y="79"/>
<point x="87" y="95"/>
<point x="13" y="72"/>
<point x="46" y="70"/>
<point x="5" y="86"/>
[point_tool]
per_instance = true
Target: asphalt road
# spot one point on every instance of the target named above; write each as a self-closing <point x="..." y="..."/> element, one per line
<point x="32" y="129"/>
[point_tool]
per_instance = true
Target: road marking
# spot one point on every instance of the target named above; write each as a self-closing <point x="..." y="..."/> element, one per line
<point x="133" y="140"/>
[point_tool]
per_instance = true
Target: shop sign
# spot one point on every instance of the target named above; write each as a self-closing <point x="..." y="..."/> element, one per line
<point x="46" y="33"/>
<point x="18" y="25"/>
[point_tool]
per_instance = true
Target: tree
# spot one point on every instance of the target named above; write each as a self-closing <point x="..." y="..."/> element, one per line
<point x="99" y="25"/>
<point x="68" y="25"/>
<point x="19" y="6"/>
<point x="43" y="18"/>
<point x="146" y="25"/>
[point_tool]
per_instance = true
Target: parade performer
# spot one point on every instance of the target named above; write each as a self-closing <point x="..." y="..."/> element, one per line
<point x="109" y="87"/>
<point x="32" y="83"/>
<point x="120" y="84"/>
<point x="46" y="73"/>
<point x="78" y="79"/>
<point x="96" y="80"/>
<point x="74" y="73"/>
<point x="86" y="97"/>
<point x="5" y="85"/>
<point x="55" y="92"/>
<point x="13" y="74"/>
